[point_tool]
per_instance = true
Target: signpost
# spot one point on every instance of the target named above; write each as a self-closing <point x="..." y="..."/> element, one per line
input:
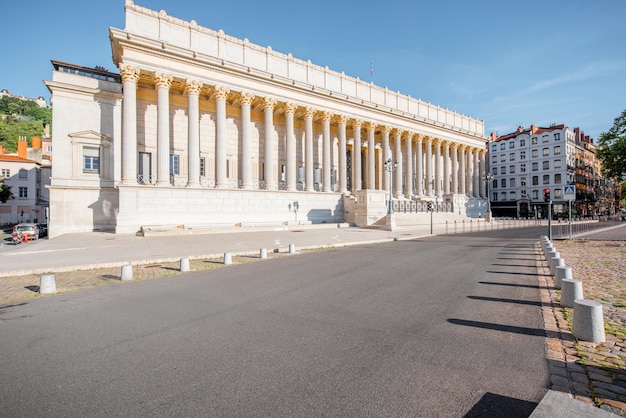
<point x="569" y="194"/>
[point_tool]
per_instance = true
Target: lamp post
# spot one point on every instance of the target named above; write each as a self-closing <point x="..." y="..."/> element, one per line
<point x="488" y="178"/>
<point x="390" y="222"/>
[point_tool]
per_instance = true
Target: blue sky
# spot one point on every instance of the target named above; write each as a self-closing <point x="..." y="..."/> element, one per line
<point x="507" y="63"/>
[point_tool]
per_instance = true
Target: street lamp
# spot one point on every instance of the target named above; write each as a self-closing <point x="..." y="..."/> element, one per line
<point x="488" y="178"/>
<point x="390" y="167"/>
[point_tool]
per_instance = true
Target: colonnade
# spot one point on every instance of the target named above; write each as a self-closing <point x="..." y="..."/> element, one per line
<point x="425" y="166"/>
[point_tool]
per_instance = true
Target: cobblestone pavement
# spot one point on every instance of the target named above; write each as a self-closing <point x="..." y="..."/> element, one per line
<point x="594" y="373"/>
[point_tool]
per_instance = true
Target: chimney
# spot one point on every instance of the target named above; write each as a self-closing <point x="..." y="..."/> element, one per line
<point x="520" y="129"/>
<point x="22" y="147"/>
<point x="36" y="142"/>
<point x="493" y="136"/>
<point x="1" y="150"/>
<point x="533" y="129"/>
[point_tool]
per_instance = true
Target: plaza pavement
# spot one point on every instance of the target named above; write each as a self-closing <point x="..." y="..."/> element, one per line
<point x="91" y="251"/>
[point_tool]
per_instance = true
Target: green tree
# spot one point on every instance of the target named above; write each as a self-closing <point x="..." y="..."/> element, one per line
<point x="612" y="149"/>
<point x="5" y="191"/>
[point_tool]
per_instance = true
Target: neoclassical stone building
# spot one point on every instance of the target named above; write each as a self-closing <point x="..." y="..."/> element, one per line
<point x="201" y="129"/>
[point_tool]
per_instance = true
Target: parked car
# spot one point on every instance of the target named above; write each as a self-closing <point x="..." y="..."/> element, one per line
<point x="30" y="230"/>
<point x="43" y="230"/>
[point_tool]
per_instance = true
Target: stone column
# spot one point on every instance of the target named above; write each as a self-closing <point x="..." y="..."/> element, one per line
<point x="429" y="166"/>
<point x="446" y="167"/>
<point x="476" y="173"/>
<point x="386" y="157"/>
<point x="246" y="141"/>
<point x="482" y="172"/>
<point x="356" y="158"/>
<point x="371" y="158"/>
<point x="437" y="167"/>
<point x="130" y="77"/>
<point x="192" y="90"/>
<point x="462" y="170"/>
<point x="343" y="165"/>
<point x="419" y="165"/>
<point x="308" y="149"/>
<point x="292" y="177"/>
<point x="470" y="172"/>
<point x="268" y="108"/>
<point x="221" y="176"/>
<point x="398" y="173"/>
<point x="455" y="167"/>
<point x="326" y="186"/>
<point x="163" y="83"/>
<point x="408" y="137"/>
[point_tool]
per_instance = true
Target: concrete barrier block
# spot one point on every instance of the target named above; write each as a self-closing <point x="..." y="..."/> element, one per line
<point x="263" y="253"/>
<point x="554" y="263"/>
<point x="561" y="273"/>
<point x="228" y="258"/>
<point x="292" y="248"/>
<point x="127" y="272"/>
<point x="184" y="264"/>
<point x="571" y="290"/>
<point x="588" y="322"/>
<point x="47" y="284"/>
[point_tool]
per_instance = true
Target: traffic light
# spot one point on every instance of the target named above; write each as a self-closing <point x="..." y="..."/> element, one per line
<point x="429" y="206"/>
<point x="546" y="195"/>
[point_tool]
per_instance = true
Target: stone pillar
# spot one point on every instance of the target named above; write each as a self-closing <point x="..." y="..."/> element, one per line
<point x="268" y="108"/>
<point x="308" y="149"/>
<point x="438" y="181"/>
<point x="130" y="77"/>
<point x="483" y="172"/>
<point x="292" y="175"/>
<point x="356" y="155"/>
<point x="192" y="89"/>
<point x="221" y="176"/>
<point x="386" y="156"/>
<point x="446" y="167"/>
<point x="476" y="173"/>
<point x="455" y="167"/>
<point x="371" y="158"/>
<point x="343" y="165"/>
<point x="429" y="166"/>
<point x="419" y="165"/>
<point x="326" y="167"/>
<point x="462" y="170"/>
<point x="246" y="141"/>
<point x="408" y="137"/>
<point x="163" y="83"/>
<point x="470" y="172"/>
<point x="398" y="173"/>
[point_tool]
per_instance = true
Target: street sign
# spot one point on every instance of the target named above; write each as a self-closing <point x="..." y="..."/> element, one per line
<point x="569" y="192"/>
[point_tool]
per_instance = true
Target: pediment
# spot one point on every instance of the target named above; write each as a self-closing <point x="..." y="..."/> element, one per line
<point x="89" y="136"/>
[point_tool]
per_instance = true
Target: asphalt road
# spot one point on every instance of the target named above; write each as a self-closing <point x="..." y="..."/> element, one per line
<point x="444" y="326"/>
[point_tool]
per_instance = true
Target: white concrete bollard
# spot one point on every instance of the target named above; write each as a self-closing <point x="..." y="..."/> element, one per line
<point x="561" y="273"/>
<point x="571" y="290"/>
<point x="551" y="255"/>
<point x="547" y="249"/>
<point x="47" y="284"/>
<point x="292" y="248"/>
<point x="184" y="264"/>
<point x="554" y="263"/>
<point x="127" y="272"/>
<point x="228" y="258"/>
<point x="263" y="253"/>
<point x="588" y="323"/>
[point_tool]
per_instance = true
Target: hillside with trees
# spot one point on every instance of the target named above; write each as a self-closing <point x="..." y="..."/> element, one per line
<point x="20" y="117"/>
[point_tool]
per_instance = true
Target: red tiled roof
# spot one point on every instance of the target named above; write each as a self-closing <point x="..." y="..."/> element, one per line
<point x="15" y="158"/>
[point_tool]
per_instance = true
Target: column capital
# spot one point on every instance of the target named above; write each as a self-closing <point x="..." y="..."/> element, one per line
<point x="356" y="123"/>
<point x="220" y="93"/>
<point x="398" y="132"/>
<point x="309" y="112"/>
<point x="246" y="98"/>
<point x="386" y="129"/>
<point x="129" y="73"/>
<point x="454" y="145"/>
<point x="192" y="86"/>
<point x="342" y="119"/>
<point x="370" y="126"/>
<point x="408" y="135"/>
<point x="326" y="116"/>
<point x="436" y="141"/>
<point x="419" y="137"/>
<point x="163" y="80"/>
<point x="290" y="108"/>
<point x="428" y="139"/>
<point x="269" y="103"/>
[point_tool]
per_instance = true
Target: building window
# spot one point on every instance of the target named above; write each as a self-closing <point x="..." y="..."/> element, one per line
<point x="494" y="147"/>
<point x="546" y="152"/>
<point x="512" y="195"/>
<point x="512" y="156"/>
<point x="535" y="194"/>
<point x="535" y="167"/>
<point x="557" y="136"/>
<point x="494" y="170"/>
<point x="535" y="180"/>
<point x="522" y="142"/>
<point x="494" y="159"/>
<point x="534" y="140"/>
<point x="502" y="146"/>
<point x="494" y="184"/>
<point x="546" y="179"/>
<point x="91" y="160"/>
<point x="558" y="194"/>
<point x="512" y="169"/>
<point x="511" y="144"/>
<point x="49" y="148"/>
<point x="522" y="181"/>
<point x="557" y="150"/>
<point x="512" y="182"/>
<point x="544" y="139"/>
<point x="202" y="167"/>
<point x="174" y="164"/>
<point x="522" y="168"/>
<point x="495" y="196"/>
<point x="523" y="193"/>
<point x="557" y="179"/>
<point x="23" y="192"/>
<point x="503" y="170"/>
<point x="535" y="153"/>
<point x="557" y="163"/>
<point x="503" y="183"/>
<point x="23" y="173"/>
<point x="522" y="155"/>
<point x="546" y="165"/>
<point x="502" y="158"/>
<point x="6" y="173"/>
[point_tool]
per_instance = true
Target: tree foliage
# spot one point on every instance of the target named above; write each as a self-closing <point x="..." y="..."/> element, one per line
<point x="5" y="192"/>
<point x="612" y="149"/>
<point x="21" y="118"/>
